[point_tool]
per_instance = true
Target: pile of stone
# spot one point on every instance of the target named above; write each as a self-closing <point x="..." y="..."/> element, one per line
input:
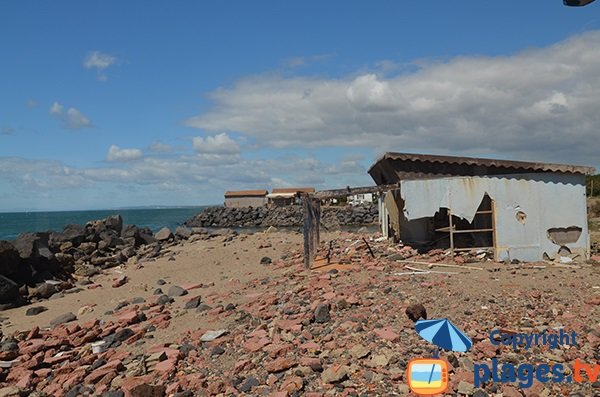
<point x="290" y="216"/>
<point x="38" y="265"/>
<point x="345" y="331"/>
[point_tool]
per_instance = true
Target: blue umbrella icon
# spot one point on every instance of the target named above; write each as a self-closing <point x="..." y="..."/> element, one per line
<point x="442" y="333"/>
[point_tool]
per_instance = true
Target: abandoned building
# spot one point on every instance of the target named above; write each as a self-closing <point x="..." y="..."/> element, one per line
<point x="281" y="197"/>
<point x="516" y="210"/>
<point x="245" y="198"/>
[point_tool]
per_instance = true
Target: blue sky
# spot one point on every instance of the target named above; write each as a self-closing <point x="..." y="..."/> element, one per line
<point x="171" y="103"/>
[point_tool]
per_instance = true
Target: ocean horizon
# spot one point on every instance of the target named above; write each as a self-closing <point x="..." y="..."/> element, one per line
<point x="156" y="217"/>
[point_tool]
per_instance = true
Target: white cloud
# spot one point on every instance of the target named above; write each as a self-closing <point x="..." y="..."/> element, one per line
<point x="56" y="108"/>
<point x="115" y="153"/>
<point x="72" y="118"/>
<point x="99" y="61"/>
<point x="159" y="147"/>
<point x="539" y="104"/>
<point x="217" y="144"/>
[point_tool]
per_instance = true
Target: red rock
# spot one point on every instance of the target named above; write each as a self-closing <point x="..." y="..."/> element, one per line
<point x="120" y="281"/>
<point x="130" y="317"/>
<point x="97" y="374"/>
<point x="25" y="381"/>
<point x="166" y="366"/>
<point x="387" y="334"/>
<point x="280" y="364"/>
<point x="33" y="334"/>
<point x="190" y="286"/>
<point x="292" y="384"/>
<point x="254" y="345"/>
<point x="510" y="391"/>
<point x="146" y="390"/>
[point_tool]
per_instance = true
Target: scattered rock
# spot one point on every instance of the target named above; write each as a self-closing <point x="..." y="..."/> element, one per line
<point x="176" y="290"/>
<point x="266" y="260"/>
<point x="416" y="312"/>
<point x="164" y="234"/>
<point x="64" y="318"/>
<point x="35" y="310"/>
<point x="322" y="313"/>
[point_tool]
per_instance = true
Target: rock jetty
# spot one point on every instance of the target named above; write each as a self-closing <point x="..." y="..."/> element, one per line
<point x="331" y="217"/>
<point x="37" y="266"/>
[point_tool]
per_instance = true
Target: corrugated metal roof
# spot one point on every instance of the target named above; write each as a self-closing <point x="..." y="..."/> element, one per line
<point x="294" y="190"/>
<point x="246" y="193"/>
<point x="392" y="167"/>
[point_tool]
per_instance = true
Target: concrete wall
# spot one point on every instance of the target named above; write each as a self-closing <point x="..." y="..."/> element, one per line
<point x="534" y="213"/>
<point x="245" y="201"/>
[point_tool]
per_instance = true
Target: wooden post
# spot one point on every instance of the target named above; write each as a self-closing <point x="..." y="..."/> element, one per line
<point x="451" y="227"/>
<point x="312" y="218"/>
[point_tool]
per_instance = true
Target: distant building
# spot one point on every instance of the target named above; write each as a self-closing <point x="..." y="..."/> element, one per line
<point x="358" y="199"/>
<point x="246" y="198"/>
<point x="282" y="197"/>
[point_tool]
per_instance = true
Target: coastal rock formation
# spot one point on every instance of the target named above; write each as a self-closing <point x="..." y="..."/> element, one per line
<point x="37" y="266"/>
<point x="331" y="217"/>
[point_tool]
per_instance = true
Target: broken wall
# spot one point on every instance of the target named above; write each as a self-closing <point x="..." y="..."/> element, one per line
<point x="534" y="213"/>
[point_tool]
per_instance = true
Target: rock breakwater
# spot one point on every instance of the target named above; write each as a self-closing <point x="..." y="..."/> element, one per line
<point x="331" y="217"/>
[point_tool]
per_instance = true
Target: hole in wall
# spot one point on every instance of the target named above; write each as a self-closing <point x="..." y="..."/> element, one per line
<point x="564" y="235"/>
<point x="521" y="216"/>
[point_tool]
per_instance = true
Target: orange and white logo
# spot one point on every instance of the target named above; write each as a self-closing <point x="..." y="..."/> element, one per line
<point x="427" y="376"/>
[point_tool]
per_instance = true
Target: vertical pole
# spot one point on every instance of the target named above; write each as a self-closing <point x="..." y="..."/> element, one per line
<point x="306" y="231"/>
<point x="494" y="230"/>
<point x="451" y="227"/>
<point x="592" y="188"/>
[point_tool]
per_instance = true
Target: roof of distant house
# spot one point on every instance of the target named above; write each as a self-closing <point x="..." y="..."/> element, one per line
<point x="294" y="190"/>
<point x="246" y="193"/>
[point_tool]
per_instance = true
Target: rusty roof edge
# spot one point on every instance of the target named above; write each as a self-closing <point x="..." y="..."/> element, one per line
<point x="553" y="167"/>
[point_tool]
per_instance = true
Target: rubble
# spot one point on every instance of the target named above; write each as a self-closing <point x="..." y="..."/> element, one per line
<point x="343" y="328"/>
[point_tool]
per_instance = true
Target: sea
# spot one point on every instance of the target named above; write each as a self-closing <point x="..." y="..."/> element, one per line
<point x="14" y="223"/>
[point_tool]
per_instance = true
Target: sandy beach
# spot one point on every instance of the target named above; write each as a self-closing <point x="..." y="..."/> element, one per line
<point x="339" y="329"/>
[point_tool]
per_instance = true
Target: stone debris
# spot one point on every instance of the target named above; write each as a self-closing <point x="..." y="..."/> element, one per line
<point x="346" y="330"/>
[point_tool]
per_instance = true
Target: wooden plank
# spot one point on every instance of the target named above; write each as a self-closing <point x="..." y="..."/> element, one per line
<point x="312" y="218"/>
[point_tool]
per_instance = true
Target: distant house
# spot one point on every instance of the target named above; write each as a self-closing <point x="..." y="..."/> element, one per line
<point x="282" y="197"/>
<point x="358" y="199"/>
<point x="246" y="198"/>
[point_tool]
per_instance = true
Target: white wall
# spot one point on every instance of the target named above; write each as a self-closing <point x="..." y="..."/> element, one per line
<point x="548" y="200"/>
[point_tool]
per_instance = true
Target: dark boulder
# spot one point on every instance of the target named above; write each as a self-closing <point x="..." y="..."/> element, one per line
<point x="115" y="223"/>
<point x="9" y="258"/>
<point x="9" y="291"/>
<point x="75" y="234"/>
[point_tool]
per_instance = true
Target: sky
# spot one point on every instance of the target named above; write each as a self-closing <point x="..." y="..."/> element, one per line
<point x="118" y="104"/>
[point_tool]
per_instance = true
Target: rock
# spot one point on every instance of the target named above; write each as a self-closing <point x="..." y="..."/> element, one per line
<point x="335" y="374"/>
<point x="247" y="384"/>
<point x="164" y="234"/>
<point x="416" y="312"/>
<point x="322" y="313"/>
<point x="480" y="393"/>
<point x="192" y="303"/>
<point x="183" y="232"/>
<point x="115" y="223"/>
<point x="10" y="391"/>
<point x="164" y="300"/>
<point x="176" y="290"/>
<point x="209" y="336"/>
<point x="114" y="393"/>
<point x="34" y="311"/>
<point x="266" y="260"/>
<point x="8" y="290"/>
<point x="359" y="351"/>
<point x="120" y="281"/>
<point x="64" y="318"/>
<point x="45" y="291"/>
<point x="10" y="259"/>
<point x="146" y="390"/>
<point x="33" y="246"/>
<point x="465" y="388"/>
